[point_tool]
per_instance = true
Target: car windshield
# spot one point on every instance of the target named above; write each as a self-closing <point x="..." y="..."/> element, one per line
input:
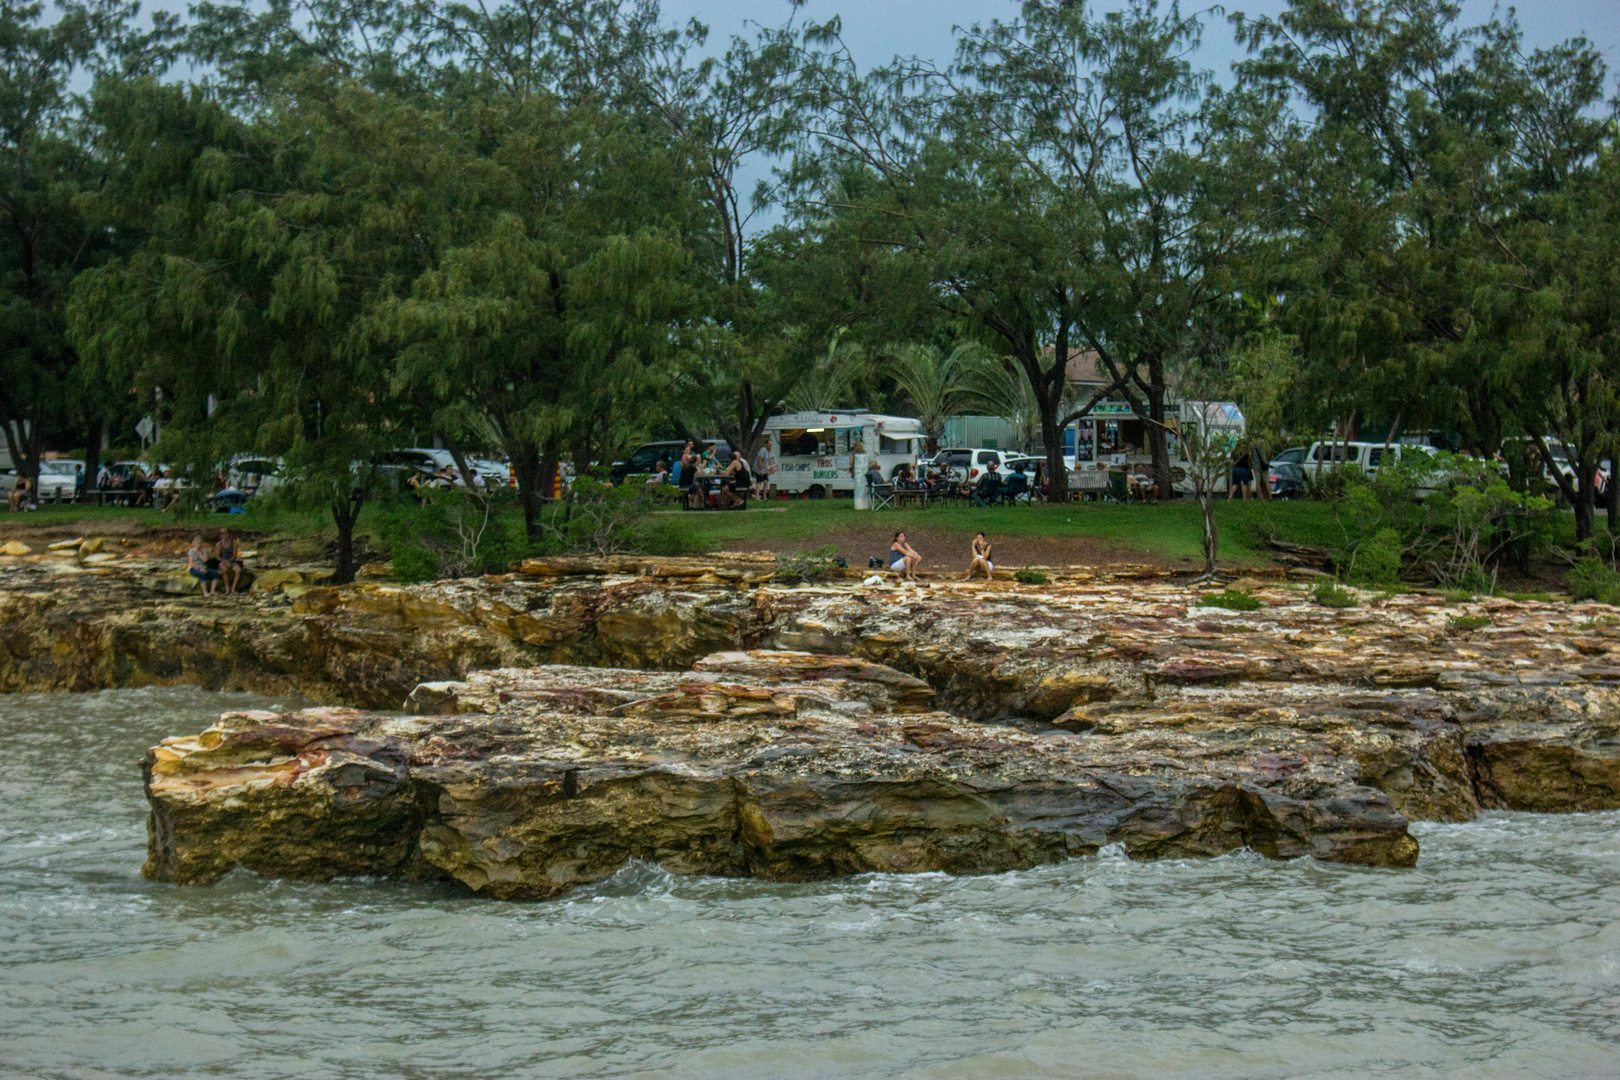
<point x="58" y="467"/>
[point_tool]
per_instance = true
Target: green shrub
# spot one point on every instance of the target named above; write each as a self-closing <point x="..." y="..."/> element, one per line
<point x="1330" y="594"/>
<point x="807" y="566"/>
<point x="595" y="519"/>
<point x="1467" y="622"/>
<point x="1456" y="596"/>
<point x="453" y="535"/>
<point x="1378" y="560"/>
<point x="1592" y="579"/>
<point x="414" y="564"/>
<point x="1029" y="577"/>
<point x="1232" y="599"/>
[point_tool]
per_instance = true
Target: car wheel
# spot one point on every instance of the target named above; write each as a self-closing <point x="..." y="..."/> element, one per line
<point x="817" y="492"/>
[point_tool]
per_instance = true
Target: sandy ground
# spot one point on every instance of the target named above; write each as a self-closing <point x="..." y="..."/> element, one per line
<point x="945" y="550"/>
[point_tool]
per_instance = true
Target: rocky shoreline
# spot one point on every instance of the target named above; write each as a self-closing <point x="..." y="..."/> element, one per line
<point x="1139" y="718"/>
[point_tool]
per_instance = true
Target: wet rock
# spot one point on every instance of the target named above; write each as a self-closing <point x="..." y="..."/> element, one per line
<point x="523" y="784"/>
<point x="1517" y="714"/>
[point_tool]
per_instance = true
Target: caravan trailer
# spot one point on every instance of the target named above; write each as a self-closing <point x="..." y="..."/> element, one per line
<point x="815" y="451"/>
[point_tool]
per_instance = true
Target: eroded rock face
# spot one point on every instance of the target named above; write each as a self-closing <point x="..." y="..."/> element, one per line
<point x="789" y="767"/>
<point x="1518" y="714"/>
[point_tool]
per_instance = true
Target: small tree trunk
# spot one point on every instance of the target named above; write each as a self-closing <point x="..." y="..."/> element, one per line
<point x="92" y="454"/>
<point x="526" y="470"/>
<point x="1158" y="444"/>
<point x="1585" y="505"/>
<point x="345" y="513"/>
<point x="1057" y="477"/>
<point x="1211" y="539"/>
<point x="468" y="480"/>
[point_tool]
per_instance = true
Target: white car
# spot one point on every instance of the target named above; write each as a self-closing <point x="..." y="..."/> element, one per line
<point x="60" y="480"/>
<point x="968" y="465"/>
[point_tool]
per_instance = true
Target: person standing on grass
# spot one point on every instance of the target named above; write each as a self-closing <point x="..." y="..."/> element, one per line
<point x="979" y="558"/>
<point x="903" y="558"/>
<point x="197" y="562"/>
<point x="762" y="470"/>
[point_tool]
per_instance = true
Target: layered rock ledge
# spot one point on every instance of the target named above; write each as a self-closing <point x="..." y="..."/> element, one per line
<point x="784" y="766"/>
<point x="1438" y="710"/>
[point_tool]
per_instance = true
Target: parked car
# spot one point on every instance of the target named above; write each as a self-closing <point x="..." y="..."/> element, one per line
<point x="968" y="465"/>
<point x="60" y="480"/>
<point x="1294" y="455"/>
<point x="253" y="473"/>
<point x="1286" y="480"/>
<point x="430" y="460"/>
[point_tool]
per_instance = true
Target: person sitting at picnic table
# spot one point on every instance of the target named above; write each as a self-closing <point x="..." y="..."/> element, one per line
<point x="903" y="558"/>
<point x="902" y="473"/>
<point x="736" y="476"/>
<point x="1143" y="486"/>
<point x="230" y="561"/>
<point x="660" y="475"/>
<point x="165" y="493"/>
<point x="683" y="466"/>
<point x="874" y="474"/>
<point x="708" y="463"/>
<point x="142" y="486"/>
<point x="988" y="489"/>
<point x="202" y="566"/>
<point x="979" y="558"/>
<point x="18" y="498"/>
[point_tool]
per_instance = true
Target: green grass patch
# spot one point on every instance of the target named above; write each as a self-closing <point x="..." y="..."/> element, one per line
<point x="1467" y="622"/>
<point x="1330" y="594"/>
<point x="1231" y="599"/>
<point x="1456" y="596"/>
<point x="1029" y="577"/>
<point x="1543" y="597"/>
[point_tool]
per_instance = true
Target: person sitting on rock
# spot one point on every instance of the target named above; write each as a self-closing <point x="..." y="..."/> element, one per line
<point x="230" y="561"/>
<point x="903" y="558"/>
<point x="197" y="560"/>
<point x="979" y="558"/>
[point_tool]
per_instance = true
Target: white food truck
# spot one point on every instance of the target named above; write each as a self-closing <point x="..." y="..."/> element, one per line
<point x="814" y="452"/>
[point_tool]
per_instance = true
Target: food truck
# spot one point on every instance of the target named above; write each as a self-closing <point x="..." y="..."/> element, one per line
<point x="1113" y="435"/>
<point x="814" y="452"/>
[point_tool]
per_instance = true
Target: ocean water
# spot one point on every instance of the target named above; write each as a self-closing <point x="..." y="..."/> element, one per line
<point x="1498" y="956"/>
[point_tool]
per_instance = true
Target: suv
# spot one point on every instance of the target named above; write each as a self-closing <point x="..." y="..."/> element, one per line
<point x="968" y="465"/>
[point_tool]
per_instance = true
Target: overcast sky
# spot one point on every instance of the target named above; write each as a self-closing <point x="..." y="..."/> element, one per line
<point x="878" y="29"/>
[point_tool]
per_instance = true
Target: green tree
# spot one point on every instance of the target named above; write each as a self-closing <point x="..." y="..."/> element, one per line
<point x="1063" y="188"/>
<point x="49" y="172"/>
<point x="560" y="317"/>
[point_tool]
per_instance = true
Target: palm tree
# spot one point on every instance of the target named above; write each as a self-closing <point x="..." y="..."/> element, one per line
<point x="831" y="380"/>
<point x="938" y="384"/>
<point x="1001" y="389"/>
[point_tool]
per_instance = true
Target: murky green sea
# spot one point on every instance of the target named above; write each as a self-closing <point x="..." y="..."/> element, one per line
<point x="1499" y="956"/>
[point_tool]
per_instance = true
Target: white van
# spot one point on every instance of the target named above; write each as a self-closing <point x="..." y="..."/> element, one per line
<point x="814" y="452"/>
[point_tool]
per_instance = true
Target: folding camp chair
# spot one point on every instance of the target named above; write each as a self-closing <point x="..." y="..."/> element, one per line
<point x="882" y="496"/>
<point x="1119" y="488"/>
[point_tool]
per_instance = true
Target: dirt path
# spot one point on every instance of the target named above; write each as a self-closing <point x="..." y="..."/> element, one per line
<point x="945" y="550"/>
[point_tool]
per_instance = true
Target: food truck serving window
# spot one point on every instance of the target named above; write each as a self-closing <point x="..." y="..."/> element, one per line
<point x="797" y="442"/>
<point x="848" y="439"/>
<point x="887" y="445"/>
